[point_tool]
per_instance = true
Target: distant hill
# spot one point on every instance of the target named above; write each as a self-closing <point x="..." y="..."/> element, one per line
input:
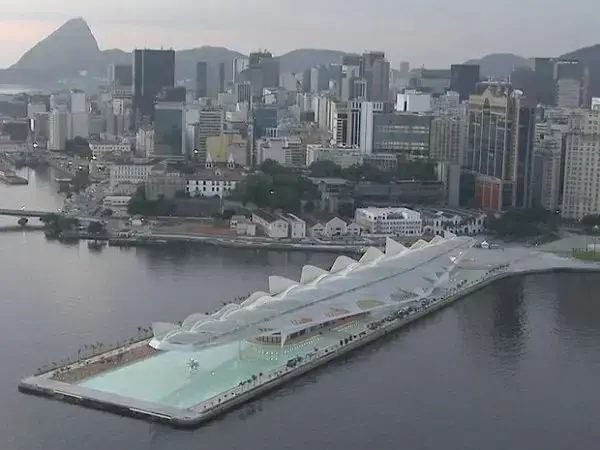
<point x="67" y="51"/>
<point x="499" y="64"/>
<point x="72" y="48"/>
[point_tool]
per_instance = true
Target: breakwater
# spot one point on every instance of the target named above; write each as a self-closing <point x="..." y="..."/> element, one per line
<point x="226" y="401"/>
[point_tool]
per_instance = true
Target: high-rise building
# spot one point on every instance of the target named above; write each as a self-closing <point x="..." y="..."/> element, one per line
<point x="211" y="122"/>
<point x="153" y="70"/>
<point x="222" y="77"/>
<point x="79" y="118"/>
<point x="169" y="131"/>
<point x="545" y="84"/>
<point x="464" y="79"/>
<point x="239" y="65"/>
<point x="120" y="75"/>
<point x="201" y="79"/>
<point x="58" y="127"/>
<point x="499" y="147"/>
<point x="243" y="92"/>
<point x="581" y="195"/>
<point x="568" y="93"/>
<point x="548" y="156"/>
<point x="375" y="69"/>
<point x="404" y="68"/>
<point x="448" y="133"/>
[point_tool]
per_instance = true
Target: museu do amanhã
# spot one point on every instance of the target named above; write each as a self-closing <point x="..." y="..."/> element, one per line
<point x="184" y="375"/>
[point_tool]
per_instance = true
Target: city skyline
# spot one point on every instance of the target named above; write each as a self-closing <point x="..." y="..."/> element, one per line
<point x="230" y="24"/>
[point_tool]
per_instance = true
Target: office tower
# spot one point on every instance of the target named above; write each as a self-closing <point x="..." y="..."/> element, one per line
<point x="172" y="94"/>
<point x="58" y="124"/>
<point x="375" y="70"/>
<point x="548" y="156"/>
<point x="545" y="84"/>
<point x="307" y="81"/>
<point x="581" y="195"/>
<point x="569" y="76"/>
<point x="239" y="65"/>
<point x="243" y="92"/>
<point x="499" y="147"/>
<point x="201" y="79"/>
<point x="211" y="122"/>
<point x="78" y="123"/>
<point x="448" y="133"/>
<point x="568" y="93"/>
<point x="120" y="75"/>
<point x="262" y="72"/>
<point x="169" y="131"/>
<point x="464" y="79"/>
<point x="153" y="70"/>
<point x="222" y="77"/>
<point x="404" y="68"/>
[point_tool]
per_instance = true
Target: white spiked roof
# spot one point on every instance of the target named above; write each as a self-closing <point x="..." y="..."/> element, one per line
<point x="348" y="288"/>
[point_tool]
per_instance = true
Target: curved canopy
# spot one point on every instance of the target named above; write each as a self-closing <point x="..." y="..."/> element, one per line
<point x="349" y="288"/>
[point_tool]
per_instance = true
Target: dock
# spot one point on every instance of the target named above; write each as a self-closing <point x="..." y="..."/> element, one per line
<point x="44" y="385"/>
<point x="10" y="177"/>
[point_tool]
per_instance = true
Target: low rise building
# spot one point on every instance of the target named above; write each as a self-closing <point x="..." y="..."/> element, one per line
<point x="100" y="149"/>
<point x="129" y="173"/>
<point x="242" y="225"/>
<point x="331" y="226"/>
<point x="389" y="221"/>
<point x="272" y="225"/>
<point x="342" y="156"/>
<point x="212" y="182"/>
<point x="297" y="226"/>
<point x="436" y="222"/>
<point x="164" y="183"/>
<point x="117" y="204"/>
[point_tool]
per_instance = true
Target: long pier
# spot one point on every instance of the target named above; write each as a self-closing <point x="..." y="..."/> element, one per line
<point x="43" y="385"/>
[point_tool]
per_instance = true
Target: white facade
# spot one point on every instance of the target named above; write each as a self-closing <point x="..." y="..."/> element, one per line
<point x="389" y="221"/>
<point x="211" y="183"/>
<point x="297" y="226"/>
<point x="438" y="223"/>
<point x="101" y="148"/>
<point x="413" y="101"/>
<point x="449" y="103"/>
<point x="581" y="195"/>
<point x="595" y="103"/>
<point x="568" y="93"/>
<point x="128" y="174"/>
<point x="271" y="225"/>
<point x="59" y="128"/>
<point x="144" y="142"/>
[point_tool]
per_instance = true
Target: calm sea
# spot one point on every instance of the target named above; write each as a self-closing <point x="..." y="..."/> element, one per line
<point x="515" y="366"/>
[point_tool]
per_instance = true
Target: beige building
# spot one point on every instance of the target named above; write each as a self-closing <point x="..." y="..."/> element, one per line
<point x="581" y="195"/>
<point x="218" y="146"/>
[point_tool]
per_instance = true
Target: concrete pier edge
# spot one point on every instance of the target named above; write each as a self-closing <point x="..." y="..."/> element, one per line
<point x="186" y="418"/>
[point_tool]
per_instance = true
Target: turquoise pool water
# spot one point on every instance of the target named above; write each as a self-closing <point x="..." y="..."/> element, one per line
<point x="166" y="378"/>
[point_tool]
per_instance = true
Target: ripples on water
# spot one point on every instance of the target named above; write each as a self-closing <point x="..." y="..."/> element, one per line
<point x="514" y="366"/>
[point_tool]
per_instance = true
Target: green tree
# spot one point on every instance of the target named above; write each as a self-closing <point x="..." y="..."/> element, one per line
<point x="325" y="169"/>
<point x="79" y="147"/>
<point x="96" y="227"/>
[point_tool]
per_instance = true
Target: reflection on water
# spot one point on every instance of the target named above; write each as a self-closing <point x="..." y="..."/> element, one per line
<point x="514" y="366"/>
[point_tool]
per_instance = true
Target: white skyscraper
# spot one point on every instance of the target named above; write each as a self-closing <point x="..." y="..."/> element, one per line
<point x="239" y="65"/>
<point x="581" y="195"/>
<point x="58" y="125"/>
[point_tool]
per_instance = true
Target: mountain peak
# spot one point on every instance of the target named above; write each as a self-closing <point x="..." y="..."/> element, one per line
<point x="72" y="46"/>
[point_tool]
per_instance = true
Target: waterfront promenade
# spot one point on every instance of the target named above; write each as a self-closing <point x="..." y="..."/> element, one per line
<point x="520" y="263"/>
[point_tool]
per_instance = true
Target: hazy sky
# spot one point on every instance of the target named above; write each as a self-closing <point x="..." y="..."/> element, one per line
<point x="430" y="32"/>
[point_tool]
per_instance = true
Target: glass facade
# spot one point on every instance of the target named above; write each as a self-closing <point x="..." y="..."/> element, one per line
<point x="406" y="134"/>
<point x="168" y="132"/>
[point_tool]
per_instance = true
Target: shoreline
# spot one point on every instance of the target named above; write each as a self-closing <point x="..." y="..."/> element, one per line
<point x="195" y="416"/>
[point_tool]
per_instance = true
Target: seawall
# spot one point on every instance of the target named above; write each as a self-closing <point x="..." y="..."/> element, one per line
<point x="196" y="416"/>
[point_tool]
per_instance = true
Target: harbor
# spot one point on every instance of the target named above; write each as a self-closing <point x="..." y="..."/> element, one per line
<point x="484" y="268"/>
